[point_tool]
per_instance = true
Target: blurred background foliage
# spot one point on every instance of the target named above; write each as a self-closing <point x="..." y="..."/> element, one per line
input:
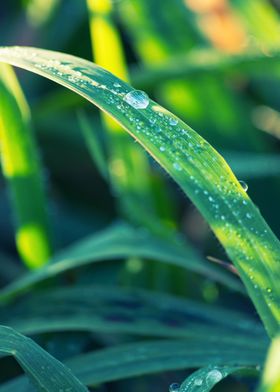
<point x="197" y="58"/>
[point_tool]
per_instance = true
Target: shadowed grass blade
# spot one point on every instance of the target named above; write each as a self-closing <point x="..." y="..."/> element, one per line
<point x="137" y="359"/>
<point x="112" y="310"/>
<point x="117" y="242"/>
<point x="46" y="373"/>
<point x="193" y="163"/>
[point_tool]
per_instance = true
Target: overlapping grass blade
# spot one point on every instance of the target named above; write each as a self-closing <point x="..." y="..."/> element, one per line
<point x="203" y="380"/>
<point x="189" y="159"/>
<point x="23" y="173"/>
<point x="137" y="359"/>
<point x="271" y="375"/>
<point x="117" y="242"/>
<point x="112" y="310"/>
<point x="46" y="373"/>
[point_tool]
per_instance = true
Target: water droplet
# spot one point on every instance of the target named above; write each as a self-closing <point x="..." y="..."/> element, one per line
<point x="162" y="148"/>
<point x="213" y="377"/>
<point x="116" y="84"/>
<point x="249" y="216"/>
<point x="173" y="121"/>
<point x="244" y="185"/>
<point x="198" y="381"/>
<point x="174" y="387"/>
<point x="177" y="166"/>
<point x="137" y="99"/>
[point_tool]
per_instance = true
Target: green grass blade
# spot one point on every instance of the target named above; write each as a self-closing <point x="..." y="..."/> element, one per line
<point x="120" y="241"/>
<point x="23" y="172"/>
<point x="192" y="162"/>
<point x="137" y="359"/>
<point x="203" y="380"/>
<point x="271" y="375"/>
<point x="112" y="310"/>
<point x="46" y="373"/>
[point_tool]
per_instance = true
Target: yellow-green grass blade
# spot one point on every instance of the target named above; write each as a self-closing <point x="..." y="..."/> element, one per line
<point x="271" y="375"/>
<point x="112" y="310"/>
<point x="118" y="242"/>
<point x="148" y="357"/>
<point x="46" y="373"/>
<point x="22" y="170"/>
<point x="204" y="380"/>
<point x="127" y="163"/>
<point x="192" y="162"/>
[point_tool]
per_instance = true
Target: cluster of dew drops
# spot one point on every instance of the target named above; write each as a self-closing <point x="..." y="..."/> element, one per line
<point x="209" y="380"/>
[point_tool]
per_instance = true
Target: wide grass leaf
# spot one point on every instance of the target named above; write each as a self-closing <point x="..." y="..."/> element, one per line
<point x="46" y="373"/>
<point x="271" y="375"/>
<point x="116" y="242"/>
<point x="137" y="359"/>
<point x="112" y="310"/>
<point x="193" y="163"/>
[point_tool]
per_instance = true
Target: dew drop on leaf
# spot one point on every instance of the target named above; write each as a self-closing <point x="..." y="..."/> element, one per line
<point x="177" y="166"/>
<point x="174" y="387"/>
<point x="173" y="121"/>
<point x="244" y="185"/>
<point x="213" y="377"/>
<point x="137" y="99"/>
<point x="198" y="381"/>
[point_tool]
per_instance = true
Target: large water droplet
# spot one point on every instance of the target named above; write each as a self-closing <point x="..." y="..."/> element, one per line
<point x="244" y="185"/>
<point x="173" y="121"/>
<point x="137" y="99"/>
<point x="213" y="377"/>
<point x="174" y="387"/>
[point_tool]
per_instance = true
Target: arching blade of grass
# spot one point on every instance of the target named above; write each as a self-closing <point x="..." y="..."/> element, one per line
<point x="23" y="172"/>
<point x="119" y="242"/>
<point x="46" y="373"/>
<point x="193" y="163"/>
<point x="203" y="380"/>
<point x="137" y="359"/>
<point x="271" y="375"/>
<point x="112" y="310"/>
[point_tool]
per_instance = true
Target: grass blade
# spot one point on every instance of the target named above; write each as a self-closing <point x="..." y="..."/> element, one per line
<point x="137" y="359"/>
<point x="203" y="380"/>
<point x="193" y="163"/>
<point x="23" y="172"/>
<point x="112" y="310"/>
<point x="46" y="373"/>
<point x="271" y="375"/>
<point x="119" y="242"/>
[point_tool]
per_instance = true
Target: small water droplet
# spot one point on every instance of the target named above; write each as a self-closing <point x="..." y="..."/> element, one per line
<point x="198" y="381"/>
<point x="177" y="166"/>
<point x="173" y="121"/>
<point x="174" y="387"/>
<point x="137" y="99"/>
<point x="116" y="84"/>
<point x="248" y="215"/>
<point x="244" y="185"/>
<point x="213" y="377"/>
<point x="162" y="148"/>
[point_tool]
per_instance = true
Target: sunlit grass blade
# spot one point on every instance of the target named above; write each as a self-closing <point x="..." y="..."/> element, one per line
<point x="138" y="359"/>
<point x="126" y="161"/>
<point x="192" y="162"/>
<point x="271" y="375"/>
<point x="112" y="310"/>
<point x="204" y="380"/>
<point x="117" y="242"/>
<point x="46" y="373"/>
<point x="23" y="172"/>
